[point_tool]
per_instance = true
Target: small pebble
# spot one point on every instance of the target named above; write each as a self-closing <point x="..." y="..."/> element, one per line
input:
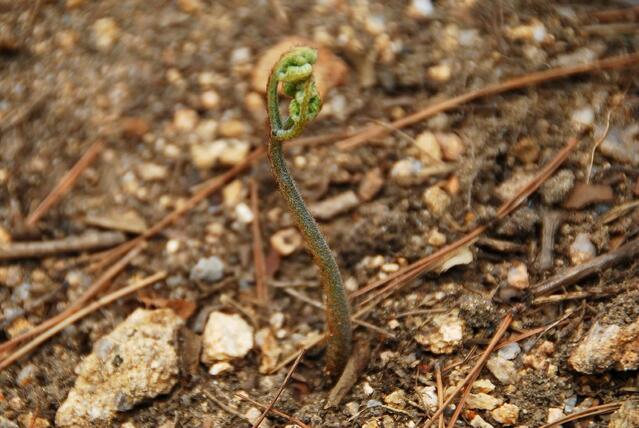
<point x="370" y="185"/>
<point x="106" y="32"/>
<point x="507" y="414"/>
<point x="233" y="128"/>
<point x="286" y="241"/>
<point x="436" y="238"/>
<point x="221" y="367"/>
<point x="209" y="269"/>
<point x="502" y="369"/>
<point x="210" y="99"/>
<point x="482" y="401"/>
<point x="440" y="73"/>
<point x="185" y="119"/>
<point x="483" y="385"/>
<point x="149" y="171"/>
<point x="243" y="213"/>
<point x="331" y="207"/>
<point x="206" y="130"/>
<point x="436" y="200"/>
<point x="518" y="276"/>
<point x="510" y="351"/>
<point x="430" y="149"/>
<point x="554" y="414"/>
<point x="225" y="337"/>
<point x="583" y="118"/>
<point x="396" y="398"/>
<point x="420" y="9"/>
<point x="479" y="422"/>
<point x="429" y="397"/>
<point x="451" y="145"/>
<point x="582" y="249"/>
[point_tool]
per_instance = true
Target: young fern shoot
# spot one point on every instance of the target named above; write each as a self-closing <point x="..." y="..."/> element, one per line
<point x="295" y="71"/>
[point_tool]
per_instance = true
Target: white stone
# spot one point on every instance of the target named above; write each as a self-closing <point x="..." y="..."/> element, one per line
<point x="518" y="276"/>
<point x="582" y="249"/>
<point x="502" y="369"/>
<point x="483" y="385"/>
<point x="225" y="337"/>
<point x="482" y="401"/>
<point x="510" y="351"/>
<point x="436" y="200"/>
<point x="506" y="414"/>
<point x="138" y="360"/>
<point x="479" y="422"/>
<point x="185" y="119"/>
<point x="243" y="213"/>
<point x="221" y="367"/>
<point x="427" y="143"/>
<point x="583" y="118"/>
<point x="286" y="241"/>
<point x="428" y="395"/>
<point x="420" y="9"/>
<point x="106" y="32"/>
<point x="554" y="414"/>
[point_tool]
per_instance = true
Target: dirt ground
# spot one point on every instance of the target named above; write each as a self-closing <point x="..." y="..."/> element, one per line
<point x="160" y="82"/>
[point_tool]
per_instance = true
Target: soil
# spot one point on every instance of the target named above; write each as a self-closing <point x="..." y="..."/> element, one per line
<point x="71" y="82"/>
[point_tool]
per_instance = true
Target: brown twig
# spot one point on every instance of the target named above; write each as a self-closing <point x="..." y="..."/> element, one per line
<point x="396" y="280"/>
<point x="472" y="375"/>
<point x="576" y="273"/>
<point x="65" y="183"/>
<point x="440" y="392"/>
<point x="595" y="145"/>
<point x="71" y="244"/>
<point x="592" y="411"/>
<point x="531" y="79"/>
<point x="609" y="15"/>
<point x="556" y="298"/>
<point x="33" y="344"/>
<point x="550" y="220"/>
<point x="103" y="281"/>
<point x="259" y="260"/>
<point x="225" y="407"/>
<point x="273" y="410"/>
<point x="279" y="391"/>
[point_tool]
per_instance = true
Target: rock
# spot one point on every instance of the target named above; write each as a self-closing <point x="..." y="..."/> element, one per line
<point x="607" y="346"/>
<point x="518" y="276"/>
<point x="206" y="155"/>
<point x="436" y="200"/>
<point x="502" y="369"/>
<point x="185" y="119"/>
<point x="210" y="269"/>
<point x="626" y="417"/>
<point x="443" y="334"/>
<point x="420" y="9"/>
<point x="482" y="401"/>
<point x="329" y="71"/>
<point x="583" y="194"/>
<point x="106" y="33"/>
<point x="149" y="171"/>
<point x="462" y="256"/>
<point x="583" y="118"/>
<point x="286" y="241"/>
<point x="32" y="421"/>
<point x="554" y="414"/>
<point x="452" y="146"/>
<point x="479" y="422"/>
<point x="440" y="73"/>
<point x="533" y="32"/>
<point x="506" y="414"/>
<point x="371" y="184"/>
<point x="271" y="350"/>
<point x="410" y="171"/>
<point x="218" y="368"/>
<point x="526" y="150"/>
<point x="138" y="360"/>
<point x="190" y="6"/>
<point x="555" y="189"/>
<point x="225" y="337"/>
<point x="396" y="399"/>
<point x="234" y="152"/>
<point x="210" y="99"/>
<point x="622" y="145"/>
<point x="206" y="130"/>
<point x="6" y="423"/>
<point x="436" y="238"/>
<point x="510" y="351"/>
<point x="428" y="396"/>
<point x="510" y="187"/>
<point x="233" y="193"/>
<point x="582" y="249"/>
<point x="483" y="385"/>
<point x="331" y="207"/>
<point x="243" y="213"/>
<point x="233" y="128"/>
<point x="430" y="149"/>
<point x="253" y="414"/>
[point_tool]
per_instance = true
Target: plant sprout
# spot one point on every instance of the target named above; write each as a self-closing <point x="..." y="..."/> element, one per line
<point x="295" y="71"/>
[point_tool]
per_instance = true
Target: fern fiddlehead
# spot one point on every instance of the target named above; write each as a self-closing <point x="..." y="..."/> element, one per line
<point x="295" y="71"/>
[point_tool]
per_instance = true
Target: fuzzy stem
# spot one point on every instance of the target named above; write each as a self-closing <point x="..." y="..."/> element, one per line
<point x="338" y="320"/>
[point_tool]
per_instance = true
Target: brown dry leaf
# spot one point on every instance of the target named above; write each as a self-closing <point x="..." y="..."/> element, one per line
<point x="182" y="308"/>
<point x="330" y="70"/>
<point x="584" y="194"/>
